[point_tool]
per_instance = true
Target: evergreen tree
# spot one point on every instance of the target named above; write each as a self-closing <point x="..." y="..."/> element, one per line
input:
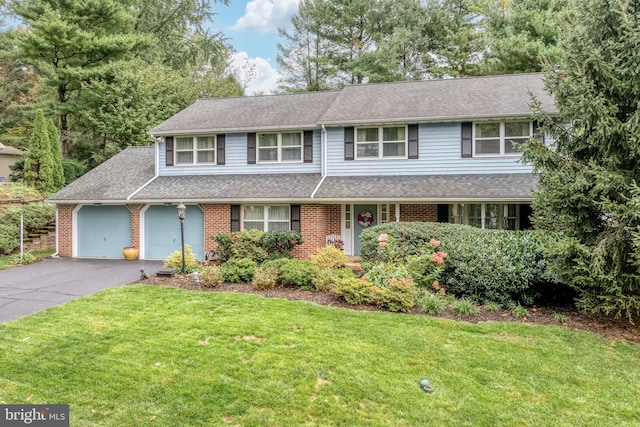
<point x="38" y="164"/>
<point x="56" y="156"/>
<point x="589" y="177"/>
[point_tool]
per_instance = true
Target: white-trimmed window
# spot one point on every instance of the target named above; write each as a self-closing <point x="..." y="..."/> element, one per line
<point x="191" y="150"/>
<point x="381" y="142"/>
<point x="486" y="215"/>
<point x="497" y="138"/>
<point x="266" y="217"/>
<point x="280" y="147"/>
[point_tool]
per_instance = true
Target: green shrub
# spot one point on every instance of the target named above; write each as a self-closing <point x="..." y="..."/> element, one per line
<point x="279" y="244"/>
<point x="294" y="272"/>
<point x="352" y="290"/>
<point x="27" y="258"/>
<point x="73" y="169"/>
<point x="35" y="216"/>
<point x="423" y="270"/>
<point x="398" y="296"/>
<point x="211" y="276"/>
<point x="520" y="312"/>
<point x="492" y="306"/>
<point x="238" y="270"/>
<point x="329" y="257"/>
<point x="431" y="303"/>
<point x="265" y="278"/>
<point x="325" y="278"/>
<point x="9" y="238"/>
<point x="484" y="265"/>
<point x="381" y="274"/>
<point x="256" y="245"/>
<point x="175" y="261"/>
<point x="465" y="307"/>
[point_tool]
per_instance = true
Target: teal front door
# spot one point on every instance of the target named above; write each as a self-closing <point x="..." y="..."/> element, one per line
<point x="365" y="216"/>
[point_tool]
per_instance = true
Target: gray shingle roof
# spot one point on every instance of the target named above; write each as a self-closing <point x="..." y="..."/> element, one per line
<point x="417" y="101"/>
<point x="229" y="188"/>
<point x="428" y="187"/>
<point x="114" y="180"/>
<point x="249" y="113"/>
<point x="439" y="100"/>
<point x="11" y="151"/>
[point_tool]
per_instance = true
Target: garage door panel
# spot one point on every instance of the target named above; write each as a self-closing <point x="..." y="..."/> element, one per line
<point x="162" y="231"/>
<point x="103" y="231"/>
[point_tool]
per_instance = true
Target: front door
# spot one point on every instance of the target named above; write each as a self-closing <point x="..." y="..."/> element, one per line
<point x="365" y="216"/>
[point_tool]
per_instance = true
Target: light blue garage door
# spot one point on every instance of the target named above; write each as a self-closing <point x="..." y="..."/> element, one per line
<point x="162" y="231"/>
<point x="103" y="231"/>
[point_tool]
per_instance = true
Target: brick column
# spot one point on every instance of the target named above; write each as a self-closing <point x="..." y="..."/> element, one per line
<point x="135" y="224"/>
<point x="65" y="230"/>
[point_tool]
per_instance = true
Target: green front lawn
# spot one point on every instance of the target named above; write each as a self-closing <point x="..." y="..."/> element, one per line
<point x="143" y="355"/>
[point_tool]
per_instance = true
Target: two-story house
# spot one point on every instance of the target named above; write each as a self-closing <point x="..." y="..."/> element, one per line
<point x="326" y="164"/>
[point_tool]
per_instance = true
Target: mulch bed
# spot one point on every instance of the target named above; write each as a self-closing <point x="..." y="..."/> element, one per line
<point x="615" y="329"/>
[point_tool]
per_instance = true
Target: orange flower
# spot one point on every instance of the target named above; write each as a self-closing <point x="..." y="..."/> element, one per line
<point x="383" y="237"/>
<point x="383" y="244"/>
<point x="436" y="285"/>
<point x="435" y="258"/>
<point x="442" y="255"/>
<point x="365" y="278"/>
<point x="435" y="242"/>
<point x="443" y="291"/>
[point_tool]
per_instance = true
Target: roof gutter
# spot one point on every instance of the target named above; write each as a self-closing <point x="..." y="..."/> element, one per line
<point x="325" y="163"/>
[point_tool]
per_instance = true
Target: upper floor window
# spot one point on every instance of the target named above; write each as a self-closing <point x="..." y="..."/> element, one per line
<point x="280" y="147"/>
<point x="381" y="142"/>
<point x="498" y="138"/>
<point x="191" y="150"/>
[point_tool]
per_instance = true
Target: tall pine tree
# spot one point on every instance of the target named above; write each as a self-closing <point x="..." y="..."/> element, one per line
<point x="38" y="164"/>
<point x="589" y="177"/>
<point x="56" y="156"/>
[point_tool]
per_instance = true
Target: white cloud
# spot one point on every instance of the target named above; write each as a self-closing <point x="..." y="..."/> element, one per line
<point x="266" y="15"/>
<point x="256" y="74"/>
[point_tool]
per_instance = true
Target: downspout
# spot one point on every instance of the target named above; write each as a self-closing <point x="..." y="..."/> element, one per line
<point x="325" y="166"/>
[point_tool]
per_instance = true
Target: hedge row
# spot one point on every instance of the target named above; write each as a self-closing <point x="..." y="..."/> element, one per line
<point x="505" y="267"/>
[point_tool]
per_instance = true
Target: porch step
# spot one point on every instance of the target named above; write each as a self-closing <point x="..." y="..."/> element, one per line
<point x="353" y="262"/>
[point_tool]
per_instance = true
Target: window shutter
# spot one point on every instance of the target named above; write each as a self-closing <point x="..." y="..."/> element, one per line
<point x="308" y="146"/>
<point x="220" y="147"/>
<point x="413" y="141"/>
<point x="539" y="137"/>
<point x="295" y="218"/>
<point x="235" y="218"/>
<point x="251" y="148"/>
<point x="168" y="141"/>
<point x="349" y="139"/>
<point x="467" y="139"/>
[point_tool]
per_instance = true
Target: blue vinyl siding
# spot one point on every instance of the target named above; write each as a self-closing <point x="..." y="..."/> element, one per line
<point x="439" y="148"/>
<point x="162" y="231"/>
<point x="236" y="161"/>
<point x="103" y="231"/>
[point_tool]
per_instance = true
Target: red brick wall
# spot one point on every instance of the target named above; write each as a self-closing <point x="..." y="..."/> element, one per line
<point x="409" y="213"/>
<point x="217" y="219"/>
<point x="316" y="221"/>
<point x="65" y="230"/>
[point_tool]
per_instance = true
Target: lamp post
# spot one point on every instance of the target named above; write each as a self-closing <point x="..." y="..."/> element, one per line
<point x="182" y="210"/>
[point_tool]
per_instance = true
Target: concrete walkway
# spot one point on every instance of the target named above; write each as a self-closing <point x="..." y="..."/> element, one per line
<point x="53" y="281"/>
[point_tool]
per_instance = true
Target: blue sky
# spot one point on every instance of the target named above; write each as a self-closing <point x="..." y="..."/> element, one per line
<point x="252" y="29"/>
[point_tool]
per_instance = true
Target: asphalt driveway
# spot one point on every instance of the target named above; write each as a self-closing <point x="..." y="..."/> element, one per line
<point x="53" y="281"/>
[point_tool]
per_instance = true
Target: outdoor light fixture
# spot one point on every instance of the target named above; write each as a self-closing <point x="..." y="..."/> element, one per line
<point x="182" y="210"/>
